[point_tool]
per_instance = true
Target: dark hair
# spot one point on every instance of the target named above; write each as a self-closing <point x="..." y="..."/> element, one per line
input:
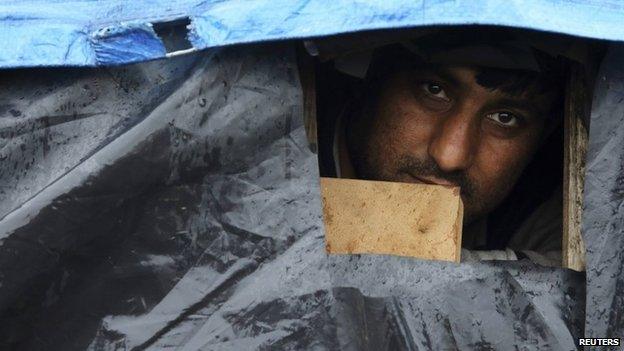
<point x="515" y="82"/>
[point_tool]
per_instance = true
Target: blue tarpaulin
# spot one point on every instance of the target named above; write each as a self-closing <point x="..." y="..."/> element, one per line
<point x="101" y="33"/>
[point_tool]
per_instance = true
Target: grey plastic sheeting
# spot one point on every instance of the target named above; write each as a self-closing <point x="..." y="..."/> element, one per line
<point x="174" y="205"/>
<point x="603" y="214"/>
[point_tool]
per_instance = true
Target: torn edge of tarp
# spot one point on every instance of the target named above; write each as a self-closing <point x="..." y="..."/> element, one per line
<point x="108" y="33"/>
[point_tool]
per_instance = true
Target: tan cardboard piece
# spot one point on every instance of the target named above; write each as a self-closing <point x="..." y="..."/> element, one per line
<point x="414" y="220"/>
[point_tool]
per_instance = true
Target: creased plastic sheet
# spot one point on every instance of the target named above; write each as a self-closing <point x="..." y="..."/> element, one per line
<point x="603" y="213"/>
<point x="174" y="205"/>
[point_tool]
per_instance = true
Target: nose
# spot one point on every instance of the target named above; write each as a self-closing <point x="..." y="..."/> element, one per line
<point x="455" y="142"/>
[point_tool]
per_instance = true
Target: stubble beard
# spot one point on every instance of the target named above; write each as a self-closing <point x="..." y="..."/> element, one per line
<point x="375" y="162"/>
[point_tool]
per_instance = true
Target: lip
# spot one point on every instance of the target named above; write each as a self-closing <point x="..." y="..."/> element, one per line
<point x="433" y="181"/>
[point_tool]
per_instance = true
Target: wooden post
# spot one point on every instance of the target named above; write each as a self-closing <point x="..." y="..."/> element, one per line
<point x="307" y="76"/>
<point x="577" y="106"/>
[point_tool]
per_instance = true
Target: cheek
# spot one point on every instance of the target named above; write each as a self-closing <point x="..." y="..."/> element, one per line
<point x="403" y="127"/>
<point x="500" y="162"/>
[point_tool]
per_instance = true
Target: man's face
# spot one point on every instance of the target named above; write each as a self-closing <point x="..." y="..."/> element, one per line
<point x="440" y="126"/>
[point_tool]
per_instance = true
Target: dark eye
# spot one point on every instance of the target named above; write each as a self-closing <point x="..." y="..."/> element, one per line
<point x="506" y="119"/>
<point x="434" y="90"/>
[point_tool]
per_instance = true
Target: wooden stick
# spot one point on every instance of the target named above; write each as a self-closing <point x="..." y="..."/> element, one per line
<point x="307" y="76"/>
<point x="575" y="150"/>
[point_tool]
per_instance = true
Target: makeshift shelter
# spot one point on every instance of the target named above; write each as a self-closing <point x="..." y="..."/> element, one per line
<point x="174" y="204"/>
